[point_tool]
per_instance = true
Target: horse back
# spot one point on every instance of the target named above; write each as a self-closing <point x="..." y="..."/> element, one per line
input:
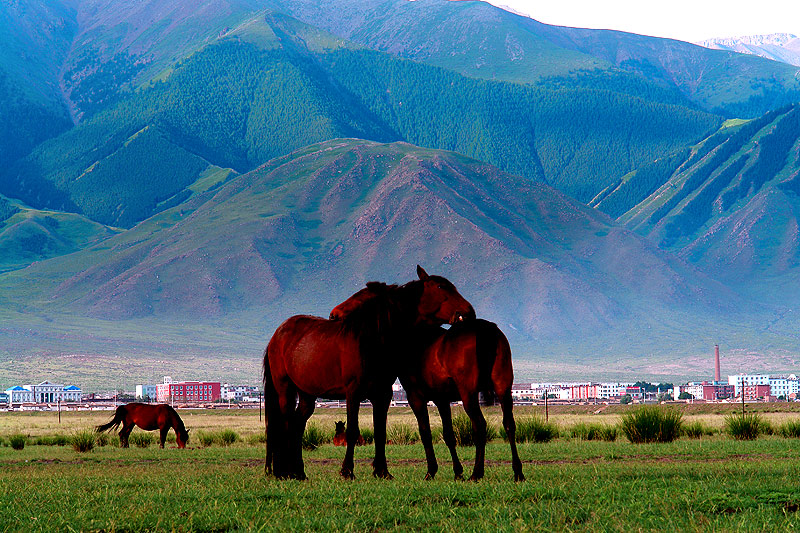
<point x="150" y="417"/>
<point x="318" y="356"/>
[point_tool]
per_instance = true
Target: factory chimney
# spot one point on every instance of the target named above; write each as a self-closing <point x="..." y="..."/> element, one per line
<point x="716" y="363"/>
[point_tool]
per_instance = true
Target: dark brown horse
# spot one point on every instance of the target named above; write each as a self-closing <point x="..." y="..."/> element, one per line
<point x="354" y="359"/>
<point x="458" y="364"/>
<point x="449" y="365"/>
<point x="149" y="418"/>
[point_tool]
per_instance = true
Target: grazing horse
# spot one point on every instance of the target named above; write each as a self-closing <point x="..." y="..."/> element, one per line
<point x="354" y="359"/>
<point x="450" y="365"/>
<point x="340" y="437"/>
<point x="148" y="417"/>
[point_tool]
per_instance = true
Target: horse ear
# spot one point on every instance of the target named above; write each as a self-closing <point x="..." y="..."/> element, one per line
<point x="421" y="273"/>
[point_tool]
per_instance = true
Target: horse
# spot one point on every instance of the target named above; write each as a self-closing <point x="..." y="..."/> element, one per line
<point x="456" y="364"/>
<point x="340" y="437"/>
<point x="148" y="417"/>
<point x="352" y="359"/>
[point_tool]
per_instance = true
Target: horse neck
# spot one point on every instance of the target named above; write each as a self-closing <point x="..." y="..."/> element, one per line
<point x="176" y="421"/>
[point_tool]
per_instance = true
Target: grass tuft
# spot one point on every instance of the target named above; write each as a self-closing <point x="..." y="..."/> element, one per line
<point x="83" y="441"/>
<point x="401" y="434"/>
<point x="652" y="423"/>
<point x="17" y="441"/>
<point x="314" y="437"/>
<point x="696" y="430"/>
<point x="583" y="431"/>
<point x="745" y="426"/>
<point x="141" y="439"/>
<point x="534" y="429"/>
<point x="790" y="429"/>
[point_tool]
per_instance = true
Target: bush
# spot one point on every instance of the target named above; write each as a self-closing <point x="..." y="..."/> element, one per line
<point x="83" y="441"/>
<point x="206" y="438"/>
<point x="534" y="429"/>
<point x="652" y="423"/>
<point x="462" y="429"/>
<point x="226" y="437"/>
<point x="401" y="434"/>
<point x="257" y="438"/>
<point x="141" y="439"/>
<point x="314" y="437"/>
<point x="102" y="439"/>
<point x="745" y="426"/>
<point x="584" y="431"/>
<point x="368" y="435"/>
<point x="17" y="441"/>
<point x="790" y="429"/>
<point x="697" y="429"/>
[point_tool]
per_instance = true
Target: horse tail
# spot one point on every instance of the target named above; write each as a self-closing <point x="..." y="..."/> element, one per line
<point x="271" y="412"/>
<point x="489" y="344"/>
<point x="119" y="418"/>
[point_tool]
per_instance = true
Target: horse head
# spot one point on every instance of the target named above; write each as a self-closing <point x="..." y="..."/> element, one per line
<point x="441" y="302"/>
<point x="182" y="437"/>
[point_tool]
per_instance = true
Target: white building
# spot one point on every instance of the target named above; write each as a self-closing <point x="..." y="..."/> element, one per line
<point x="146" y="391"/>
<point x="778" y="385"/>
<point x="239" y="393"/>
<point x="44" y="392"/>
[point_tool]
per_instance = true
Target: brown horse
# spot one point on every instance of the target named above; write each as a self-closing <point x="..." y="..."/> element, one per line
<point x="456" y="364"/>
<point x="148" y="417"/>
<point x="354" y="358"/>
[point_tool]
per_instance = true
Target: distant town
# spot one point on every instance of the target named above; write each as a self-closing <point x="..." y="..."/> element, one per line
<point x="211" y="394"/>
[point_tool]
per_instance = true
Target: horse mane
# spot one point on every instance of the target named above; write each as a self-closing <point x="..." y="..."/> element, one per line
<point x="176" y="419"/>
<point x="373" y="318"/>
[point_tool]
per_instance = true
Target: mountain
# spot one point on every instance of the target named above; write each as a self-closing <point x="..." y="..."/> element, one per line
<point x="783" y="47"/>
<point x="730" y="205"/>
<point x="273" y="85"/>
<point x="480" y="40"/>
<point x="304" y="231"/>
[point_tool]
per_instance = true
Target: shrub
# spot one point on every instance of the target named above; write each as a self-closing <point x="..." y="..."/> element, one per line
<point x="52" y="440"/>
<point x="257" y="438"/>
<point x="401" y="434"/>
<point x="102" y="439"/>
<point x="206" y="438"/>
<point x="697" y="429"/>
<point x="585" y="431"/>
<point x="314" y="437"/>
<point x="790" y="429"/>
<point x="534" y="429"/>
<point x="17" y="441"/>
<point x="744" y="426"/>
<point x="462" y="429"/>
<point x="141" y="439"/>
<point x="83" y="441"/>
<point x="368" y="435"/>
<point x="226" y="437"/>
<point x="652" y="423"/>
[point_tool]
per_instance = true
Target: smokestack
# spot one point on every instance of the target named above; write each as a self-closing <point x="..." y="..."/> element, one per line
<point x="716" y="363"/>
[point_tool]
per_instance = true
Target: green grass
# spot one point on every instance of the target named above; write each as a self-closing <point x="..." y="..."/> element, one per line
<point x="571" y="485"/>
<point x="652" y="423"/>
<point x="746" y="426"/>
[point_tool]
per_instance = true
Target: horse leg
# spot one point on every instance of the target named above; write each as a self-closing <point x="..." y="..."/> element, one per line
<point x="123" y="434"/>
<point x="282" y="439"/>
<point x="473" y="409"/>
<point x="305" y="408"/>
<point x="420" y="408"/>
<point x="449" y="437"/>
<point x="352" y="434"/>
<point x="510" y="426"/>
<point x="163" y="436"/>
<point x="380" y="410"/>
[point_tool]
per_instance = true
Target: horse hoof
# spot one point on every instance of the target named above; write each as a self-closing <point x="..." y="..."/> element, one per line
<point x="347" y="474"/>
<point x="429" y="476"/>
<point x="519" y="477"/>
<point x="474" y="477"/>
<point x="384" y="474"/>
<point x="459" y="477"/>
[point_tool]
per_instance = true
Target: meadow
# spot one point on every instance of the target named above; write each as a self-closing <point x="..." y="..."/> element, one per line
<point x="708" y="483"/>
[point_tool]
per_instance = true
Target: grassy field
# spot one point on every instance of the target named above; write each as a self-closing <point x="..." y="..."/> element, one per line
<point x="714" y="483"/>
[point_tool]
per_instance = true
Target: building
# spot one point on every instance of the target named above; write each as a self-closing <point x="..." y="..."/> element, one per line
<point x="44" y="392"/>
<point x="779" y="386"/>
<point x="705" y="390"/>
<point x="239" y="393"/>
<point x="146" y="392"/>
<point x="188" y="391"/>
<point x="756" y="392"/>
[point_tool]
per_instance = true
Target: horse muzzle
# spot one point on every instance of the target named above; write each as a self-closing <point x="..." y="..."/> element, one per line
<point x="459" y="316"/>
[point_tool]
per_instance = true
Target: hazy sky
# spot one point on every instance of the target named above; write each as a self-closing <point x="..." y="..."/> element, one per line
<point x="687" y="20"/>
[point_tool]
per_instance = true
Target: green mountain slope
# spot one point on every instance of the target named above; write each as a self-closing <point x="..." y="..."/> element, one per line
<point x="729" y="205"/>
<point x="306" y="230"/>
<point x="480" y="40"/>
<point x="273" y="85"/>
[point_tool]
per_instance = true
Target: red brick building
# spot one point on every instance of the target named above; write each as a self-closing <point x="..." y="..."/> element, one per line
<point x="188" y="391"/>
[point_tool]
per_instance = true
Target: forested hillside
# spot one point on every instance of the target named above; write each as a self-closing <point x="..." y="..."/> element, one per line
<point x="729" y="204"/>
<point x="483" y="41"/>
<point x="244" y="100"/>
